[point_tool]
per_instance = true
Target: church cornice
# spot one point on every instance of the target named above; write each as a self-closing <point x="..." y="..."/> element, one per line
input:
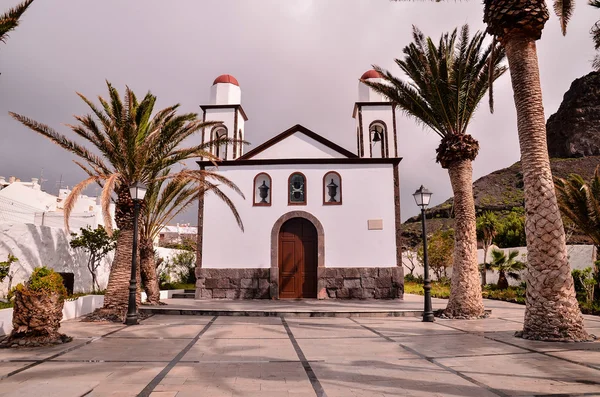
<point x="236" y="107"/>
<point x="355" y="160"/>
<point x="358" y="105"/>
<point x="297" y="128"/>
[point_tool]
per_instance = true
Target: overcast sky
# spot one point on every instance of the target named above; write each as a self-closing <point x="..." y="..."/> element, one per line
<point x="297" y="61"/>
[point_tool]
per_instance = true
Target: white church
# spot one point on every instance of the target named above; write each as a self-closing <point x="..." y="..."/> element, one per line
<point x="320" y="221"/>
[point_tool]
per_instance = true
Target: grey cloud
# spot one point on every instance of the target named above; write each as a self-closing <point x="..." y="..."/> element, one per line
<point x="297" y="62"/>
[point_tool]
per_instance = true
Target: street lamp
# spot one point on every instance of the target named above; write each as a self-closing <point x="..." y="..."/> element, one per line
<point x="422" y="197"/>
<point x="137" y="191"/>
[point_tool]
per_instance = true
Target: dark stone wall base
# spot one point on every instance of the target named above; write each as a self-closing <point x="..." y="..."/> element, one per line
<point x="232" y="284"/>
<point x="333" y="283"/>
<point x="361" y="283"/>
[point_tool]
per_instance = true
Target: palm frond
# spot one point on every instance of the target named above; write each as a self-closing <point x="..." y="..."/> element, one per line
<point x="62" y="141"/>
<point x="564" y="10"/>
<point x="446" y="80"/>
<point x="73" y="196"/>
<point x="580" y="202"/>
<point x="105" y="200"/>
<point x="10" y="19"/>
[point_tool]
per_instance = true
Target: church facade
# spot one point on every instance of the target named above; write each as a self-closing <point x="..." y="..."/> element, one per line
<point x="319" y="221"/>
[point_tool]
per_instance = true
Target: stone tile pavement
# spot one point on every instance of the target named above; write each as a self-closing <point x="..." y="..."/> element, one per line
<point x="180" y="356"/>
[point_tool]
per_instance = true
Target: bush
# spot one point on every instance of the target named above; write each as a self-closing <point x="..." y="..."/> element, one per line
<point x="438" y="290"/>
<point x="185" y="265"/>
<point x="409" y="278"/>
<point x="44" y="280"/>
<point x="510" y="294"/>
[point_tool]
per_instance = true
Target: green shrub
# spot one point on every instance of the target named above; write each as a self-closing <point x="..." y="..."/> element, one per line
<point x="6" y="305"/>
<point x="44" y="280"/>
<point x="438" y="290"/>
<point x="167" y="286"/>
<point x="409" y="278"/>
<point x="5" y="266"/>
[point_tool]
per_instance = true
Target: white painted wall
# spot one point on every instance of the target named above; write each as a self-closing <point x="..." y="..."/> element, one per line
<point x="298" y="146"/>
<point x="368" y="193"/>
<point x="225" y="94"/>
<point x="241" y="148"/>
<point x="385" y="114"/>
<point x="227" y="117"/>
<point x="580" y="257"/>
<point x="36" y="246"/>
<point x="72" y="309"/>
<point x="367" y="94"/>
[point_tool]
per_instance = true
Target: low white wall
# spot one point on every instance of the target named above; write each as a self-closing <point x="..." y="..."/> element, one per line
<point x="37" y="246"/>
<point x="72" y="309"/>
<point x="165" y="294"/>
<point x="580" y="257"/>
<point x="6" y="321"/>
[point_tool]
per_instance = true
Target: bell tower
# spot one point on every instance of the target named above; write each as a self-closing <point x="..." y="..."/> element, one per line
<point x="225" y="106"/>
<point x="375" y="119"/>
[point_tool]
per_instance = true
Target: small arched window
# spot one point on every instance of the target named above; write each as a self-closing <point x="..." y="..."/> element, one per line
<point x="378" y="139"/>
<point x="297" y="189"/>
<point x="262" y="190"/>
<point x="332" y="188"/>
<point x="220" y="149"/>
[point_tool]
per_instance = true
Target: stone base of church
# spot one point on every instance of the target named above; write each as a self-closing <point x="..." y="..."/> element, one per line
<point x="361" y="283"/>
<point x="333" y="283"/>
<point x="232" y="283"/>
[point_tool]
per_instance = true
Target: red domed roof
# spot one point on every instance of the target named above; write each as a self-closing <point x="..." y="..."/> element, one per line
<point x="371" y="74"/>
<point x="226" y="78"/>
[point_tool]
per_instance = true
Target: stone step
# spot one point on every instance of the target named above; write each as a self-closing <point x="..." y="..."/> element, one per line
<point x="187" y="311"/>
<point x="185" y="295"/>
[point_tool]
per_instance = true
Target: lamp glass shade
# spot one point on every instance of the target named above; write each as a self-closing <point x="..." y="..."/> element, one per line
<point x="138" y="191"/>
<point x="422" y="196"/>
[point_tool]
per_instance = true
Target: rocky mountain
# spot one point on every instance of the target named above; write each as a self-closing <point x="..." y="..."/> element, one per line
<point x="573" y="134"/>
<point x="574" y="130"/>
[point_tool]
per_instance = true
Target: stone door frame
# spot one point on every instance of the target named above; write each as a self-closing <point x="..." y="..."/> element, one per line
<point x="275" y="247"/>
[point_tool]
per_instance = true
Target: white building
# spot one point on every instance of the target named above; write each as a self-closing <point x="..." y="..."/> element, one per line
<point x="176" y="234"/>
<point x="320" y="221"/>
<point x="26" y="202"/>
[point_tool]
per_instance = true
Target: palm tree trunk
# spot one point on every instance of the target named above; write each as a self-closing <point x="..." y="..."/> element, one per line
<point x="465" y="288"/>
<point x="484" y="270"/>
<point x="502" y="280"/>
<point x="148" y="270"/>
<point x="117" y="289"/>
<point x="552" y="311"/>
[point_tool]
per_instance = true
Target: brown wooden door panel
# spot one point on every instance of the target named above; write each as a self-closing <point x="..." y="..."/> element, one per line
<point x="297" y="259"/>
<point x="288" y="257"/>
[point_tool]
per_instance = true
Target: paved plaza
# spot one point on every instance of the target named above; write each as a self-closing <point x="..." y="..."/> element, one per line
<point x="181" y="356"/>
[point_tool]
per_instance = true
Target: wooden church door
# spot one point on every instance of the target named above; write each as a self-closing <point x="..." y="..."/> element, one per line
<point x="297" y="259"/>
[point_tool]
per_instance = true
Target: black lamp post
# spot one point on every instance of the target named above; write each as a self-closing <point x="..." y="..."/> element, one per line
<point x="137" y="191"/>
<point x="422" y="197"/>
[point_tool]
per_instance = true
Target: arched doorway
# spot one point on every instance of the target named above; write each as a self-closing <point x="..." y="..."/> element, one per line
<point x="297" y="259"/>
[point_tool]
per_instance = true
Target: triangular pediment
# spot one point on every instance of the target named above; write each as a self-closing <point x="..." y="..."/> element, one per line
<point x="298" y="142"/>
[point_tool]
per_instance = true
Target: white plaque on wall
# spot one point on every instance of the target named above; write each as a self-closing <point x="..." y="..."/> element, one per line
<point x="375" y="224"/>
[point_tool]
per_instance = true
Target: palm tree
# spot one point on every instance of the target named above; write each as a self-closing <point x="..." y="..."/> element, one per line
<point x="134" y="146"/>
<point x="165" y="199"/>
<point x="447" y="83"/>
<point x="487" y="228"/>
<point x="596" y="35"/>
<point x="10" y="19"/>
<point x="506" y="266"/>
<point x="580" y="202"/>
<point x="552" y="311"/>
